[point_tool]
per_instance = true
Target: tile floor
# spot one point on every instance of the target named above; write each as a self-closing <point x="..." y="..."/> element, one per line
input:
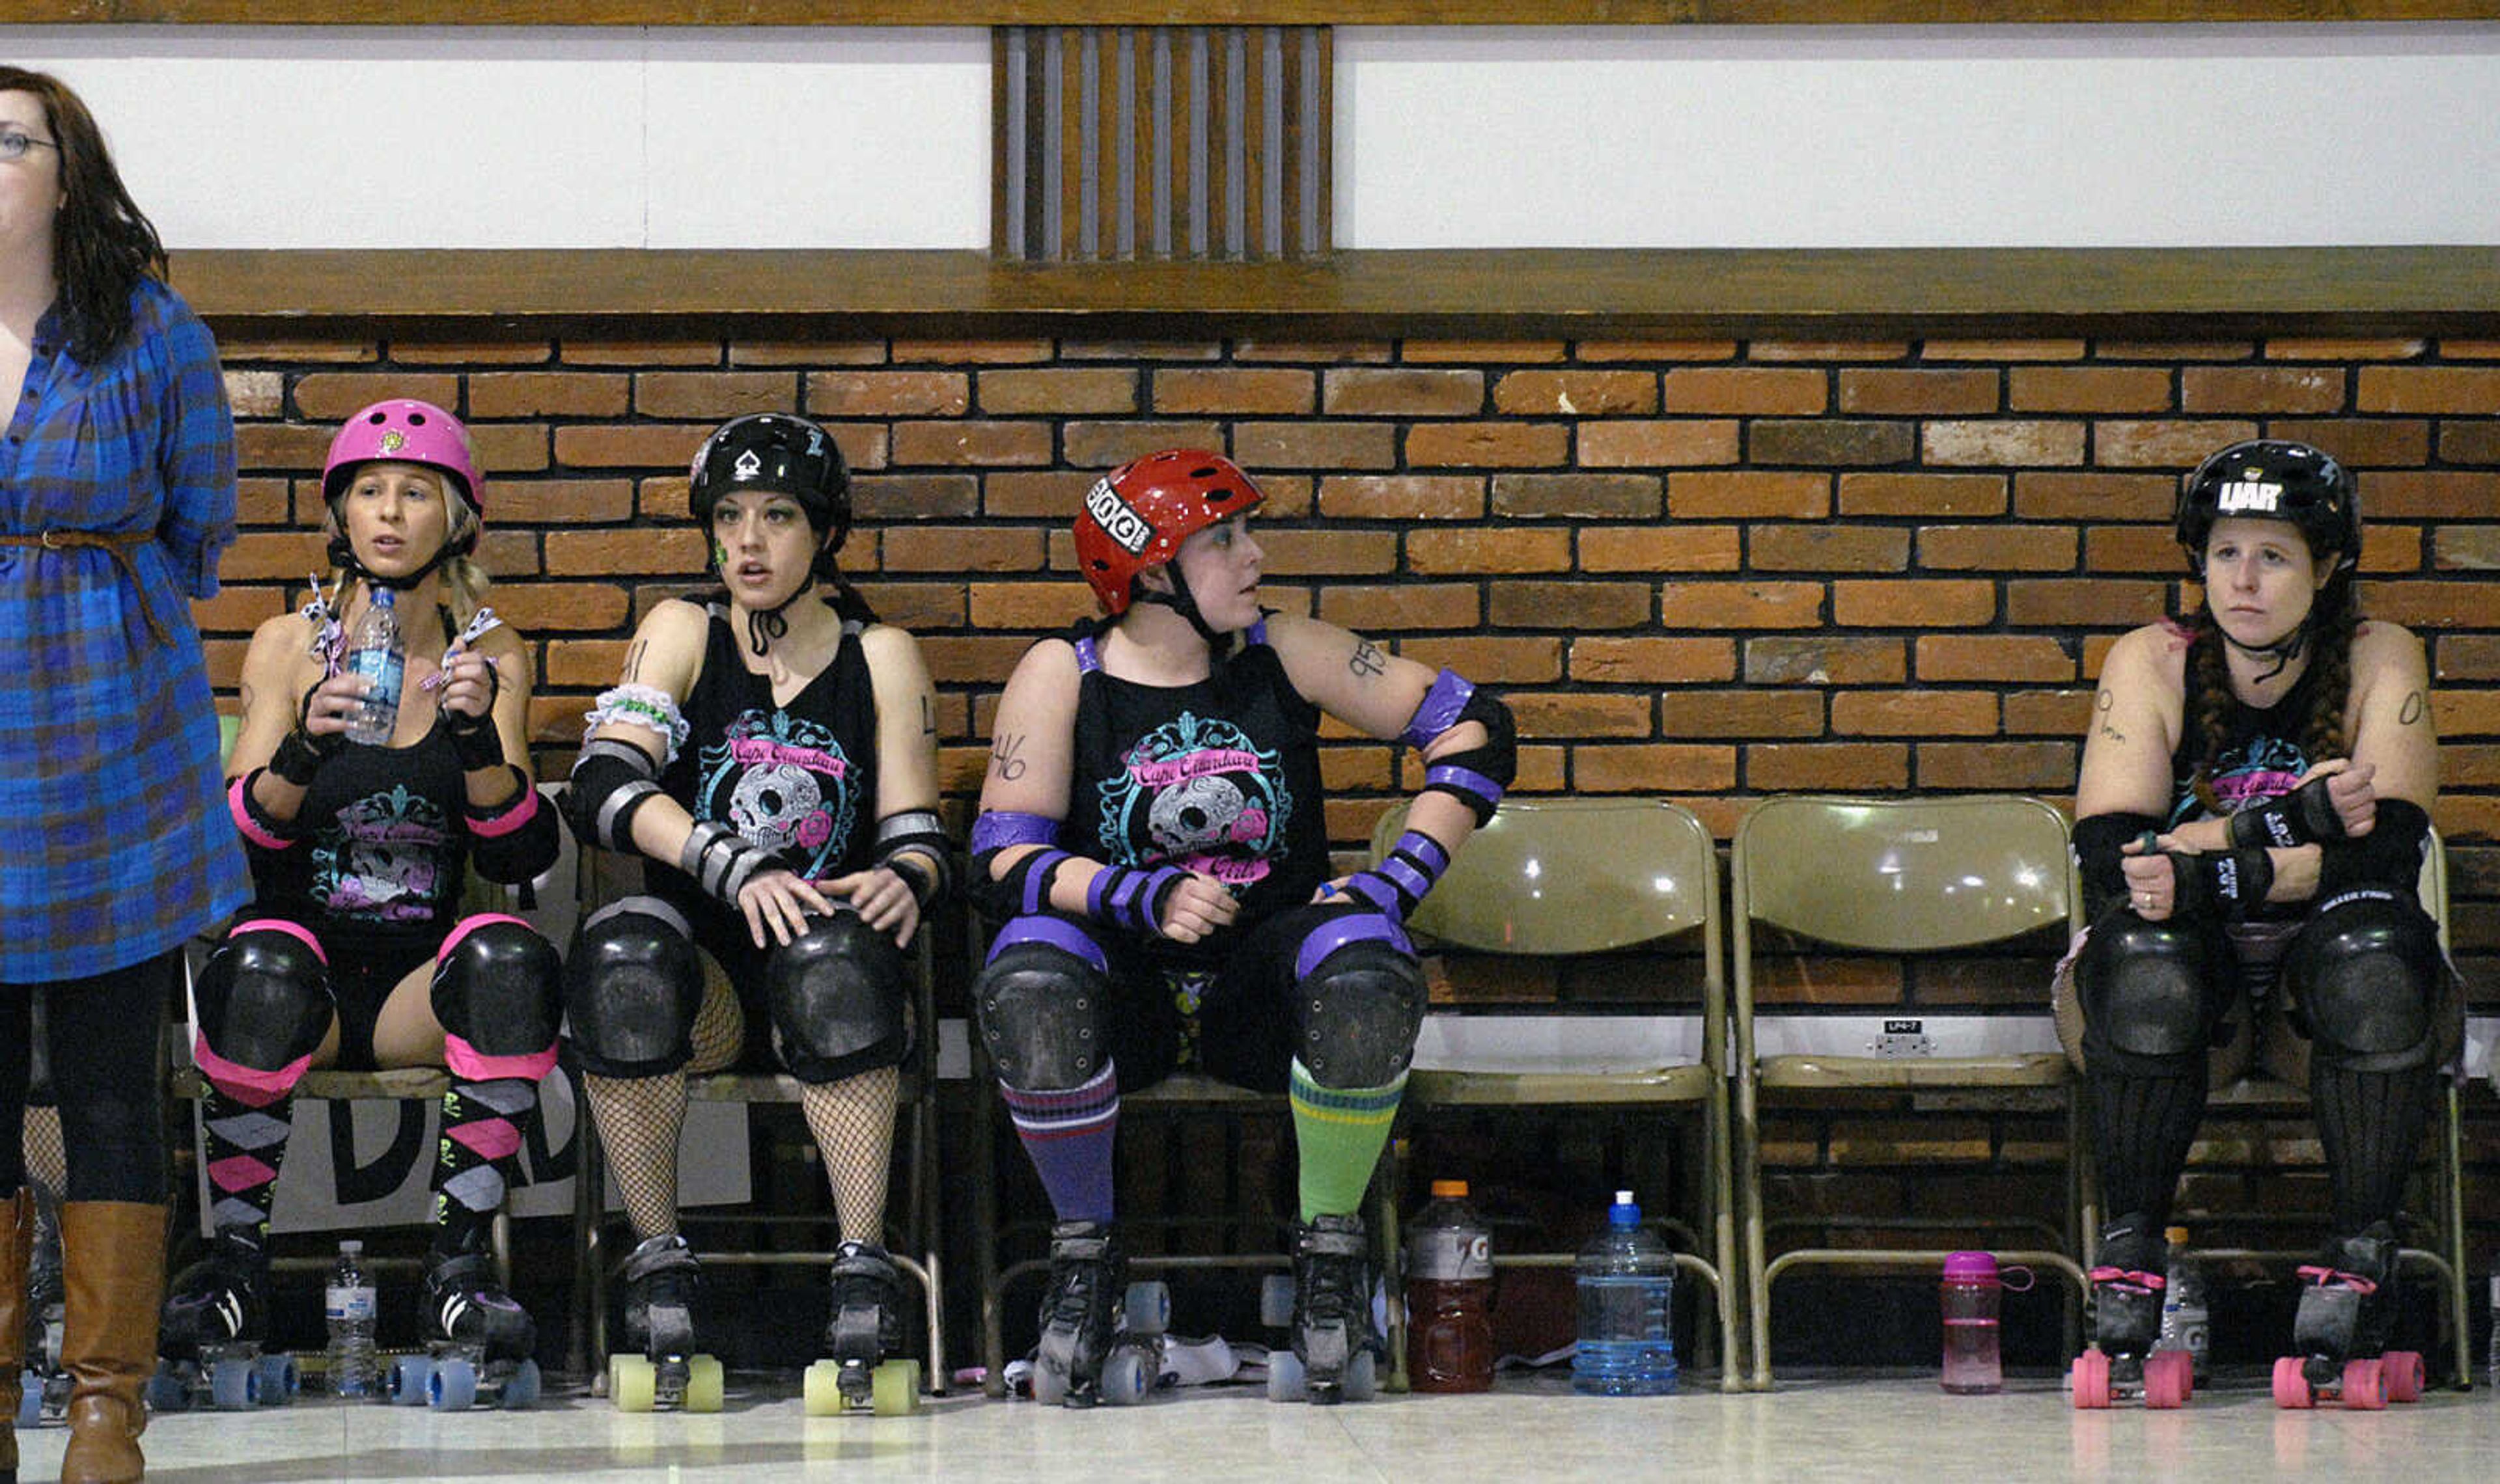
<point x="1531" y="1428"/>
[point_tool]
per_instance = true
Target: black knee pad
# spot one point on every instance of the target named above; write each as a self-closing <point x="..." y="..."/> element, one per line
<point x="632" y="986"/>
<point x="1360" y="1002"/>
<point x="836" y="994"/>
<point x="1043" y="1002"/>
<point x="496" y="986"/>
<point x="264" y="998"/>
<point x="2366" y="976"/>
<point x="2149" y="993"/>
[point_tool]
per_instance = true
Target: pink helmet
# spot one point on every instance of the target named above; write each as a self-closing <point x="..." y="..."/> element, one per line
<point x="411" y="432"/>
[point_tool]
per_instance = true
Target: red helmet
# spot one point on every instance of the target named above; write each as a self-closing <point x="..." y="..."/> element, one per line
<point x="1137" y="517"/>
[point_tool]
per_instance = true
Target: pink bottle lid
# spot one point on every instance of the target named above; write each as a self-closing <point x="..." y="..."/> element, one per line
<point x="1971" y="1268"/>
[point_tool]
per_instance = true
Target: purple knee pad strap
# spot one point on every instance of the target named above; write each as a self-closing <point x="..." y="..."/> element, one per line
<point x="1350" y="928"/>
<point x="1050" y="933"/>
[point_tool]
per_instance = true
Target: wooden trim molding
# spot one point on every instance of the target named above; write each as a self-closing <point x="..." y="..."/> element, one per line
<point x="2158" y="293"/>
<point x="1275" y="13"/>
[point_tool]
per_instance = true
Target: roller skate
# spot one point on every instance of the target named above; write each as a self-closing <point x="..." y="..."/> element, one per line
<point x="863" y="1328"/>
<point x="661" y="1283"/>
<point x="477" y="1341"/>
<point x="1094" y="1320"/>
<point x="43" y="1387"/>
<point x="215" y="1323"/>
<point x="1336" y="1354"/>
<point x="2122" y="1363"/>
<point x="2347" y="1313"/>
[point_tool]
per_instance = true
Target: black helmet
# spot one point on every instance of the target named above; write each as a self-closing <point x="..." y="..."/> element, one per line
<point x="2269" y="480"/>
<point x="780" y="453"/>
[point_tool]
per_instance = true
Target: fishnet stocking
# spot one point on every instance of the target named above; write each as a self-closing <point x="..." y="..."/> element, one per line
<point x="641" y="1118"/>
<point x="853" y="1124"/>
<point x="47" y="1159"/>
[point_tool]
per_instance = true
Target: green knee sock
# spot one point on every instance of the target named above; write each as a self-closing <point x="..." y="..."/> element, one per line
<point x="1338" y="1132"/>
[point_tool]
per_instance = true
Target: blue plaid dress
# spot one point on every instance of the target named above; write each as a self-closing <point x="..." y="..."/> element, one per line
<point x="114" y="841"/>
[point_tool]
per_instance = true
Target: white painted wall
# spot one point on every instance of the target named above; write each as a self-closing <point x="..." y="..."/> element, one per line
<point x="1823" y="136"/>
<point x="1951" y="136"/>
<point x="488" y="137"/>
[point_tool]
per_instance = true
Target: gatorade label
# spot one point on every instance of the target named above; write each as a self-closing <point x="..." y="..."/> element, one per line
<point x="1453" y="1255"/>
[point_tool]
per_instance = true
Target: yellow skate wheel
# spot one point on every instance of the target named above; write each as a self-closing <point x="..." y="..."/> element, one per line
<point x="896" y="1389"/>
<point x="705" y="1386"/>
<point x="822" y="1385"/>
<point x="633" y="1382"/>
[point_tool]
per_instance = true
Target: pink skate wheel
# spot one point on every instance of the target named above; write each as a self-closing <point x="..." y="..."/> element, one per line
<point x="2166" y="1379"/>
<point x="2291" y="1387"/>
<point x="2092" y="1383"/>
<point x="2364" y="1386"/>
<point x="2404" y="1374"/>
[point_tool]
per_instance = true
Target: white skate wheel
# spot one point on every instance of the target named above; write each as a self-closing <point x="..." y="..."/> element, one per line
<point x="821" y="1389"/>
<point x="1276" y="1300"/>
<point x="1284" y="1376"/>
<point x="706" y="1386"/>
<point x="1147" y="1308"/>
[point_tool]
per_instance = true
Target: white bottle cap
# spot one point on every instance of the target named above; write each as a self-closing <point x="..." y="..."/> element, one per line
<point x="1623" y="1198"/>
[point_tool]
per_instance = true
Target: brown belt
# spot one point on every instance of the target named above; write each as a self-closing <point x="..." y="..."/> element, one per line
<point x="114" y="543"/>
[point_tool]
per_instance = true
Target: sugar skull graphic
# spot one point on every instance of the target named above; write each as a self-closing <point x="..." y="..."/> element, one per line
<point x="785" y="784"/>
<point x="1198" y="793"/>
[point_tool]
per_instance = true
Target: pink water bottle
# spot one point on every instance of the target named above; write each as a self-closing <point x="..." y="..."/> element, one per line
<point x="1973" y="1366"/>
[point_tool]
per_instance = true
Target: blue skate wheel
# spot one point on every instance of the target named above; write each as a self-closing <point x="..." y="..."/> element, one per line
<point x="453" y="1386"/>
<point x="522" y="1389"/>
<point x="233" y="1382"/>
<point x="1276" y="1300"/>
<point x="1127" y="1377"/>
<point x="1361" y="1377"/>
<point x="1283" y="1375"/>
<point x="167" y="1392"/>
<point x="411" y="1378"/>
<point x="1146" y="1308"/>
<point x="279" y="1380"/>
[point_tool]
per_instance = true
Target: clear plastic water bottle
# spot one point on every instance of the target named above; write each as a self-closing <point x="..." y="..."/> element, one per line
<point x="1449" y="1295"/>
<point x="348" y="1303"/>
<point x="2495" y="1331"/>
<point x="2186" y="1322"/>
<point x="1626" y="1298"/>
<point x="377" y="652"/>
<point x="1970" y="1296"/>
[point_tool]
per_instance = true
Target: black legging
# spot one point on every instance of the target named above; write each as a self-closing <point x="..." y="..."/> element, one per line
<point x="104" y="1038"/>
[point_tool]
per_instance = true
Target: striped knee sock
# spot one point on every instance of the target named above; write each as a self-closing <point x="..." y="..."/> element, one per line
<point x="1069" y="1134"/>
<point x="1339" y="1133"/>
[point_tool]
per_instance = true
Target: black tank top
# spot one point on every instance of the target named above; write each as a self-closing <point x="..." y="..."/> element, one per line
<point x="799" y="781"/>
<point x="1221" y="775"/>
<point x="386" y="838"/>
<point x="2262" y="756"/>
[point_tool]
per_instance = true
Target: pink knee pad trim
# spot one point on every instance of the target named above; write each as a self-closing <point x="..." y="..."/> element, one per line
<point x="475" y="1065"/>
<point x="492" y="1139"/>
<point x="247" y="1085"/>
<point x="523" y="810"/>
<point x="469" y="925"/>
<point x="251" y="827"/>
<point x="294" y="929"/>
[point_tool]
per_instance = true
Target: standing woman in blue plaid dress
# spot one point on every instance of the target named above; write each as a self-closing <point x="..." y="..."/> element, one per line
<point x="117" y="493"/>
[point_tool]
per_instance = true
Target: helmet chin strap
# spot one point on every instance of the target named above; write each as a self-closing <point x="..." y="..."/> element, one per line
<point x="2282" y="651"/>
<point x="1180" y="600"/>
<point x="343" y="556"/>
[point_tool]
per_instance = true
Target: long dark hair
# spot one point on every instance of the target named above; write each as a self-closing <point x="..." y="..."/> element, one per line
<point x="102" y="242"/>
<point x="2330" y="624"/>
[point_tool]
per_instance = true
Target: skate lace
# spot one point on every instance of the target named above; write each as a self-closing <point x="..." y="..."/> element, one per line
<point x="1073" y="1283"/>
<point x="1332" y="1285"/>
<point x="2326" y="1276"/>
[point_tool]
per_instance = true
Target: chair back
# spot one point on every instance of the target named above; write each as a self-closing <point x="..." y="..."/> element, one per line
<point x="1571" y="876"/>
<point x="1901" y="875"/>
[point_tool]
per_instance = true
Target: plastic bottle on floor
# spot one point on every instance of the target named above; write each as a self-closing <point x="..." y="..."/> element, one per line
<point x="348" y="1304"/>
<point x="1627" y="1282"/>
<point x="1449" y="1295"/>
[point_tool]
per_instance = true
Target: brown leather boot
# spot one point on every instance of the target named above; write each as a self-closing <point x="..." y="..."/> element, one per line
<point x="113" y="1260"/>
<point x="17" y="1254"/>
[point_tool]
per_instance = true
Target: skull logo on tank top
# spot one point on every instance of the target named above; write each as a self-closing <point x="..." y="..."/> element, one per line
<point x="785" y="783"/>
<point x="1197" y="792"/>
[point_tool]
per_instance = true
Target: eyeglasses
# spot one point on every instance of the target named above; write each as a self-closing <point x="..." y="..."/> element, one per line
<point x="13" y="144"/>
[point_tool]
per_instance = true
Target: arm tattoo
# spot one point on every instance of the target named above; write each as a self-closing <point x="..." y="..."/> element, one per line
<point x="634" y="662"/>
<point x="1003" y="760"/>
<point x="928" y="715"/>
<point x="2104" y="703"/>
<point x="243" y="696"/>
<point x="2416" y="707"/>
<point x="1368" y="661"/>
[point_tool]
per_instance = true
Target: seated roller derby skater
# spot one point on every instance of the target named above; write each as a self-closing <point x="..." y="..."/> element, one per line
<point x="769" y="752"/>
<point x="1152" y="844"/>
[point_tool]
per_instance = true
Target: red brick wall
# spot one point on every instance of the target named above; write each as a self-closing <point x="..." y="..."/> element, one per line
<point x="1712" y="570"/>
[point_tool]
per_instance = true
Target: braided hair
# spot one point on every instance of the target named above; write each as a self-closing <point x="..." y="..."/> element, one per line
<point x="2332" y="623"/>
